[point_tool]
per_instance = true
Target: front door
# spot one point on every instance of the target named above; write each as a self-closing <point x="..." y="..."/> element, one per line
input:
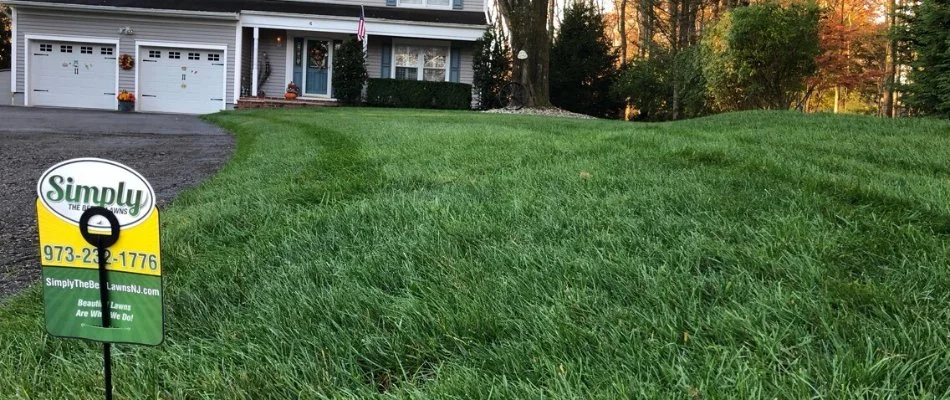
<point x="318" y="63"/>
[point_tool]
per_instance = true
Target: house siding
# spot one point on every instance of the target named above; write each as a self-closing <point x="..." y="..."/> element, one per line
<point x="5" y="90"/>
<point x="465" y="67"/>
<point x="106" y="26"/>
<point x="276" y="84"/>
<point x="374" y="55"/>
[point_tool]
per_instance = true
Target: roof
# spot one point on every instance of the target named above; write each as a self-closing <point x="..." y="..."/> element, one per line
<point x="290" y="7"/>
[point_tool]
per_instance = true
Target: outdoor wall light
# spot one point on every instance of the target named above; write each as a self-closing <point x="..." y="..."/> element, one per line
<point x="126" y="30"/>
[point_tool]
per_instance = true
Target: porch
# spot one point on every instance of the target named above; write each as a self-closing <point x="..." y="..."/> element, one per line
<point x="280" y="102"/>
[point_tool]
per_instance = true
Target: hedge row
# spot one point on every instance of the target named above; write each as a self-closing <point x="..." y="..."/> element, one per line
<point x="419" y="94"/>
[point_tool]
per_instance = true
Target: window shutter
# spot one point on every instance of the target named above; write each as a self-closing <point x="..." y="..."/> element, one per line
<point x="391" y="3"/>
<point x="385" y="65"/>
<point x="456" y="4"/>
<point x="455" y="64"/>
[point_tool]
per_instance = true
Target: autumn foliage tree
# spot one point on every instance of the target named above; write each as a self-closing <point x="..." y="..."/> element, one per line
<point x="852" y="37"/>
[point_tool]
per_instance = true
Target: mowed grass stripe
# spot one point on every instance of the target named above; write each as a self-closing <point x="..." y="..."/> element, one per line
<point x="424" y="254"/>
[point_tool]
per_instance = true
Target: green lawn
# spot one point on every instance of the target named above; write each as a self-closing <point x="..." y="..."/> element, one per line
<point x="424" y="254"/>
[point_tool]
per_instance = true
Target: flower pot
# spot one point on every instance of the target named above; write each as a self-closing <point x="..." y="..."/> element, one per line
<point x="126" y="106"/>
<point x="290" y="96"/>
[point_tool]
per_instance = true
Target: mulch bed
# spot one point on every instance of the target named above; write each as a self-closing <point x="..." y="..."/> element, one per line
<point x="171" y="163"/>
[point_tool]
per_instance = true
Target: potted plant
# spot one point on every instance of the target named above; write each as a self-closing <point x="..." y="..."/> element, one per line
<point x="126" y="101"/>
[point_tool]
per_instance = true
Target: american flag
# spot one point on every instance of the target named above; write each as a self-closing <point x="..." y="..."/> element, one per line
<point x="361" y="28"/>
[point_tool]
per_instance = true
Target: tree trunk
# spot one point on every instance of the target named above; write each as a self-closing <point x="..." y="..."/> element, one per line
<point x="527" y="23"/>
<point x="551" y="20"/>
<point x="837" y="90"/>
<point x="622" y="23"/>
<point x="890" y="64"/>
<point x="645" y="14"/>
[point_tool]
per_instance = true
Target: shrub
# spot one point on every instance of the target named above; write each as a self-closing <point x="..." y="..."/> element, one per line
<point x="349" y="72"/>
<point x="491" y="65"/>
<point x="759" y="56"/>
<point x="664" y="87"/>
<point x="419" y="94"/>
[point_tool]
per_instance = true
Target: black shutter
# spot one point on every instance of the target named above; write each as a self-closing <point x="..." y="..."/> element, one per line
<point x="456" y="4"/>
<point x="455" y="63"/>
<point x="385" y="65"/>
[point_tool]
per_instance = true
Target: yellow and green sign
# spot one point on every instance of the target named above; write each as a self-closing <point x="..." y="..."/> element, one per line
<point x="116" y="202"/>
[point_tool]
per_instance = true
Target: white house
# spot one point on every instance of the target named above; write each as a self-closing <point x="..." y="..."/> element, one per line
<point x="201" y="56"/>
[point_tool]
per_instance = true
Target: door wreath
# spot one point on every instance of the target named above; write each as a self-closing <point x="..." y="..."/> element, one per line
<point x="126" y="62"/>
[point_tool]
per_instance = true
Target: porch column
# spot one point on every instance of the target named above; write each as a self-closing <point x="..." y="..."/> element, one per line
<point x="238" y="61"/>
<point x="257" y="35"/>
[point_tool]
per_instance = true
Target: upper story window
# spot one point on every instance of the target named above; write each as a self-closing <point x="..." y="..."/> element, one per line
<point x="425" y="3"/>
<point x="420" y="62"/>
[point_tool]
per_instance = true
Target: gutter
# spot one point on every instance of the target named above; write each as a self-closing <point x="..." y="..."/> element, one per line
<point x="341" y="18"/>
<point x="81" y="7"/>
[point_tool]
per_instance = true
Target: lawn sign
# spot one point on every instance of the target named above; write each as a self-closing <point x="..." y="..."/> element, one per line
<point x="101" y="255"/>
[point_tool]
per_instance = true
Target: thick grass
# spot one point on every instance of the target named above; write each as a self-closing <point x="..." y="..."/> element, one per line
<point x="416" y="254"/>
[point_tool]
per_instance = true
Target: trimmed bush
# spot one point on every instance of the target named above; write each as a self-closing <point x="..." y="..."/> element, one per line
<point x="419" y="94"/>
<point x="349" y="73"/>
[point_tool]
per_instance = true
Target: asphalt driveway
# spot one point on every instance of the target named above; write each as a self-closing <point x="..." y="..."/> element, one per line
<point x="173" y="152"/>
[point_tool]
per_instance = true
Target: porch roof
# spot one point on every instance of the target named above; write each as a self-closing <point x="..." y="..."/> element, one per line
<point x="281" y="6"/>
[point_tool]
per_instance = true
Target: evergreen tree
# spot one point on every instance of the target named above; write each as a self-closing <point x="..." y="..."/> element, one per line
<point x="349" y="72"/>
<point x="5" y="30"/>
<point x="583" y="63"/>
<point x="929" y="90"/>
<point x="492" y="66"/>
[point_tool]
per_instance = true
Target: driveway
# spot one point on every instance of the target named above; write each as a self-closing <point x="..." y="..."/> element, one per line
<point x="173" y="152"/>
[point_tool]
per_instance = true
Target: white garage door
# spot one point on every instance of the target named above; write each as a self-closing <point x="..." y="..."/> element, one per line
<point x="72" y="74"/>
<point x="189" y="81"/>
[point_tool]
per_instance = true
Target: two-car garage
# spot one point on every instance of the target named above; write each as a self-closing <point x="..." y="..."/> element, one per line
<point x="165" y="77"/>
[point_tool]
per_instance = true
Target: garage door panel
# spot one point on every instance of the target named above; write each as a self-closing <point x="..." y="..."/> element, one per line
<point x="72" y="74"/>
<point x="181" y="80"/>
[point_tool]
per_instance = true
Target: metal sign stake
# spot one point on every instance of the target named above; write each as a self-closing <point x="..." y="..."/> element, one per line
<point x="102" y="243"/>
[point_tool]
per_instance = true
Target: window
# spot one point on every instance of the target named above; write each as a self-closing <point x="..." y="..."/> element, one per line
<point x="175" y="55"/>
<point x="214" y="57"/>
<point x="106" y="51"/>
<point x="154" y="54"/>
<point x="85" y="50"/>
<point x="429" y="63"/>
<point x="65" y="49"/>
<point x="426" y="3"/>
<point x="194" y="56"/>
<point x="46" y="47"/>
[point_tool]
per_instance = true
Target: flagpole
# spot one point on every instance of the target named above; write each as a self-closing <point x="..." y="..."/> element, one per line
<point x="365" y="38"/>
